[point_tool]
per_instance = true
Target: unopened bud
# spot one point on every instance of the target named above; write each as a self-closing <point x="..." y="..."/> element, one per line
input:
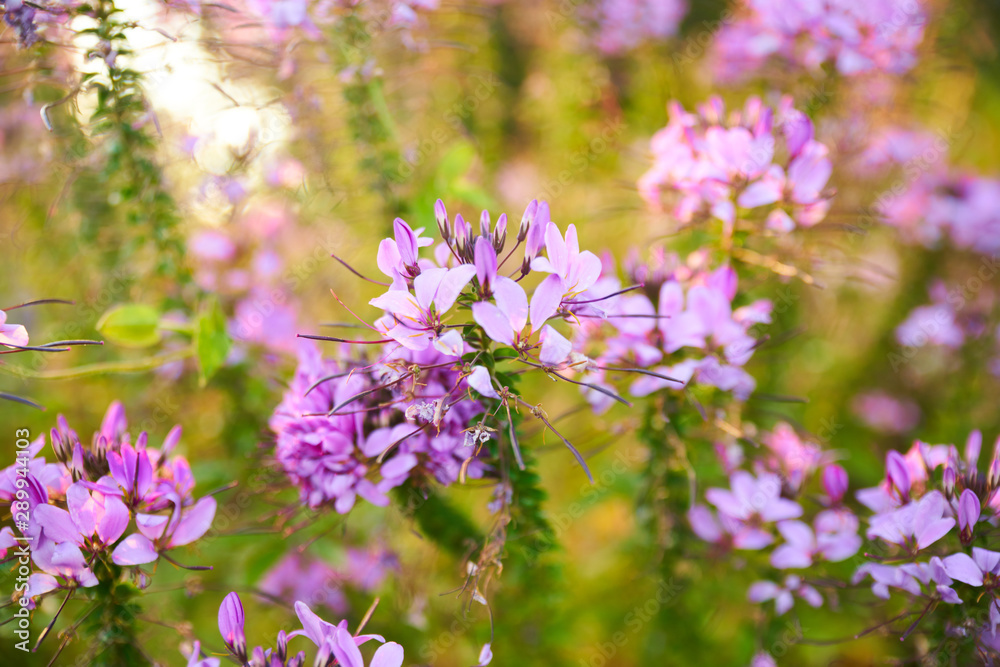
<point x="948" y="481"/>
<point x="527" y="220"/>
<point x="973" y="445"/>
<point x="282" y="637"/>
<point x="441" y="215"/>
<point x="897" y="474"/>
<point x="500" y="233"/>
<point x="993" y="481"/>
<point x="463" y="235"/>
<point x="835" y="482"/>
<point x="484" y="224"/>
<point x="77" y="466"/>
<point x="58" y="446"/>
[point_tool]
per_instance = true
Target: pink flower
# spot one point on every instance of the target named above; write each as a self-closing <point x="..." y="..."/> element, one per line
<point x="414" y="320"/>
<point x="708" y="165"/>
<point x="762" y="591"/>
<point x="972" y="570"/>
<point x="917" y="524"/>
<point x="12" y="334"/>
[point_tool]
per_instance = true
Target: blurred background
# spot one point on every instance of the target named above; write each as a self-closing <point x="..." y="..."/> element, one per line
<point x="251" y="157"/>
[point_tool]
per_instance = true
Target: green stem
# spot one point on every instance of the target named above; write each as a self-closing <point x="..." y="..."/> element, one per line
<point x="104" y="368"/>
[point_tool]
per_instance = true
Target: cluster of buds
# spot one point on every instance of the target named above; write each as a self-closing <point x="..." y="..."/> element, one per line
<point x="335" y="643"/>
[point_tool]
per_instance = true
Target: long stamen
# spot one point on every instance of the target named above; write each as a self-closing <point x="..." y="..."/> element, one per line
<point x="347" y="308"/>
<point x="38" y="302"/>
<point x="538" y="413"/>
<point x="334" y="339"/>
<point x="358" y="274"/>
<point x="603" y="298"/>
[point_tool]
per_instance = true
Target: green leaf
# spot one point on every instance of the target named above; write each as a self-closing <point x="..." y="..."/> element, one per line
<point x="210" y="340"/>
<point x="131" y="325"/>
<point x="505" y="353"/>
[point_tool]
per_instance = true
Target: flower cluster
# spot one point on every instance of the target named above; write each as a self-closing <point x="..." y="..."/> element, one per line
<point x="857" y="36"/>
<point x="939" y="205"/>
<point x="765" y="501"/>
<point x="98" y="509"/>
<point x="364" y="426"/>
<point x="757" y="163"/>
<point x="315" y="581"/>
<point x="682" y="327"/>
<point x="244" y="265"/>
<point x="335" y="644"/>
<point x="925" y="495"/>
<point x="928" y="521"/>
<point x="625" y="24"/>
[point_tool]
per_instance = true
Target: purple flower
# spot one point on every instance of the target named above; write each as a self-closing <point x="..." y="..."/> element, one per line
<point x="708" y="164"/>
<point x="624" y="24"/>
<point x="762" y="591"/>
<point x="835" y="482"/>
<point x="415" y="319"/>
<point x="577" y="271"/>
<point x="90" y="513"/>
<point x="754" y="498"/>
<point x="12" y="334"/>
<point x="877" y="36"/>
<point x="917" y="525"/>
<point x="836" y="539"/>
<point x="504" y="322"/>
<point x="975" y="570"/>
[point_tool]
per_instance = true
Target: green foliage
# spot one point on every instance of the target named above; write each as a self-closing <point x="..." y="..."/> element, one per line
<point x="131" y="325"/>
<point x="211" y="340"/>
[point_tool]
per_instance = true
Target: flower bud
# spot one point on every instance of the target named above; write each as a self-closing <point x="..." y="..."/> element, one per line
<point x="58" y="446"/>
<point x="463" y="236"/>
<point x="948" y="481"/>
<point x="282" y="637"/>
<point x="441" y="215"/>
<point x="835" y="482"/>
<point x="500" y="233"/>
<point x="484" y="224"/>
<point x="527" y="220"/>
<point x="969" y="509"/>
<point x="77" y="466"/>
<point x="973" y="445"/>
<point x="897" y="474"/>
<point x="993" y="481"/>
<point x="536" y="235"/>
